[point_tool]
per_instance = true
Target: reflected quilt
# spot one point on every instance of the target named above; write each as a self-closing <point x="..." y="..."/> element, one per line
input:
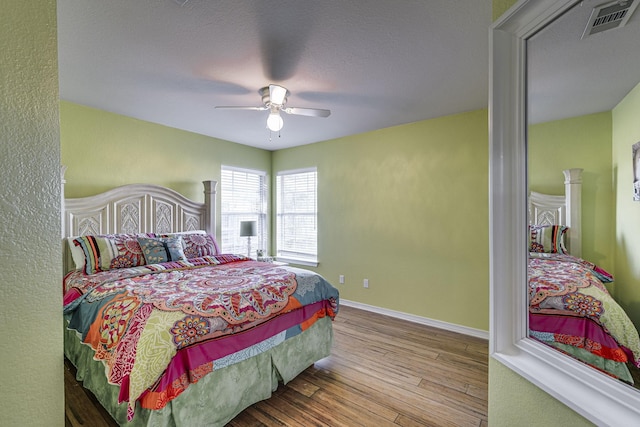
<point x="158" y="328"/>
<point x="571" y="310"/>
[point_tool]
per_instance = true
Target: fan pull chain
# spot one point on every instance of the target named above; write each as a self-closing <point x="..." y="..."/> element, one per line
<point x="271" y="133"/>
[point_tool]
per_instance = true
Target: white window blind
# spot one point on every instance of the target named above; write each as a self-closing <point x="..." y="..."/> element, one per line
<point x="244" y="197"/>
<point x="297" y="212"/>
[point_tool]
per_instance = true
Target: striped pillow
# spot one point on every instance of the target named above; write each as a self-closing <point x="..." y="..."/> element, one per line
<point x="106" y="252"/>
<point x="547" y="238"/>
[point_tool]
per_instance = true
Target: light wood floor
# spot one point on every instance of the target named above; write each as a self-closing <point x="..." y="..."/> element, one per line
<point x="382" y="372"/>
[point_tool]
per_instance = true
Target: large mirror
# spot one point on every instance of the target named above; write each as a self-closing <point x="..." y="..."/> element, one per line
<point x="580" y="70"/>
<point x="544" y="73"/>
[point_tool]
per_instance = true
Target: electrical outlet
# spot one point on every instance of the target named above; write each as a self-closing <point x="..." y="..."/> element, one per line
<point x="366" y="283"/>
<point x="342" y="279"/>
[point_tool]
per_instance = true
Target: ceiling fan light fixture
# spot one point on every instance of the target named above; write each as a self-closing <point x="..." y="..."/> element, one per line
<point x="277" y="94"/>
<point x="274" y="99"/>
<point x="274" y="121"/>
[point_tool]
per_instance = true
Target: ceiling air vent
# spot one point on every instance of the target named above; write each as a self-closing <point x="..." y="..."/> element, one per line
<point x="609" y="15"/>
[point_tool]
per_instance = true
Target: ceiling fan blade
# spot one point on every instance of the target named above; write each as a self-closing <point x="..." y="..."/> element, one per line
<point x="313" y="112"/>
<point x="277" y="94"/>
<point x="241" y="108"/>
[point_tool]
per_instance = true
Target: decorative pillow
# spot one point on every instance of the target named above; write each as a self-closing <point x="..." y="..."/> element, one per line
<point x="547" y="238"/>
<point x="106" y="252"/>
<point x="76" y="253"/>
<point x="197" y="244"/>
<point x="161" y="249"/>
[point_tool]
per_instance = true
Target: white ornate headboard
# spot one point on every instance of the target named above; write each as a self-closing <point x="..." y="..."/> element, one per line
<point x="566" y="210"/>
<point x="137" y="208"/>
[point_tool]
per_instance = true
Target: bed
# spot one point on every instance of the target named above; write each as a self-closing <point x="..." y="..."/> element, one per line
<point x="570" y="307"/>
<point x="164" y="329"/>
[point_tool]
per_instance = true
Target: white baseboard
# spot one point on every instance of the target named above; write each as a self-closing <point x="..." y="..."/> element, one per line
<point x="478" y="333"/>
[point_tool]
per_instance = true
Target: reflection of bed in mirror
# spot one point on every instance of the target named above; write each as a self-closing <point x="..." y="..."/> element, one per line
<point x="570" y="308"/>
<point x="518" y="71"/>
<point x="165" y="330"/>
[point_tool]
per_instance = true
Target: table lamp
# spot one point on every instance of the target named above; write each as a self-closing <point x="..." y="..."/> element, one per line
<point x="248" y="229"/>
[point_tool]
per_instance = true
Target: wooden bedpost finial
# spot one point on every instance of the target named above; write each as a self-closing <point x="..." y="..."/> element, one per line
<point x="210" y="203"/>
<point x="573" y="194"/>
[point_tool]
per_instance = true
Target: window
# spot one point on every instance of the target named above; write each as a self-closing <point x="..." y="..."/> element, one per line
<point x="297" y="211"/>
<point x="244" y="197"/>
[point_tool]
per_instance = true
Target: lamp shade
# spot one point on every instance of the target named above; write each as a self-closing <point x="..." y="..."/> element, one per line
<point x="248" y="228"/>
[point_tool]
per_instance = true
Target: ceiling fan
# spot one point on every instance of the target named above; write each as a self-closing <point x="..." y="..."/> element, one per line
<point x="274" y="98"/>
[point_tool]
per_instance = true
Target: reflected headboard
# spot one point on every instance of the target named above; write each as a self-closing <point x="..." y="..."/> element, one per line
<point x="136" y="208"/>
<point x="546" y="209"/>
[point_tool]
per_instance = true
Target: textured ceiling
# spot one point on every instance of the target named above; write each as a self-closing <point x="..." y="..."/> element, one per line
<point x="570" y="76"/>
<point x="374" y="64"/>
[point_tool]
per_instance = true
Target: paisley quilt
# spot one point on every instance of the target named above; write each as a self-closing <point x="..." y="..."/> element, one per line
<point x="158" y="328"/>
<point x="571" y="310"/>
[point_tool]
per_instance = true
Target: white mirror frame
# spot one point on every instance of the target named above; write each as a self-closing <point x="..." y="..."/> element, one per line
<point x="594" y="395"/>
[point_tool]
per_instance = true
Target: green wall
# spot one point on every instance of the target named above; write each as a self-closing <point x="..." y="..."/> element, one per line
<point x="514" y="401"/>
<point x="580" y="142"/>
<point x="626" y="132"/>
<point x="407" y="208"/>
<point x="31" y="361"/>
<point x="501" y="6"/>
<point x="103" y="150"/>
